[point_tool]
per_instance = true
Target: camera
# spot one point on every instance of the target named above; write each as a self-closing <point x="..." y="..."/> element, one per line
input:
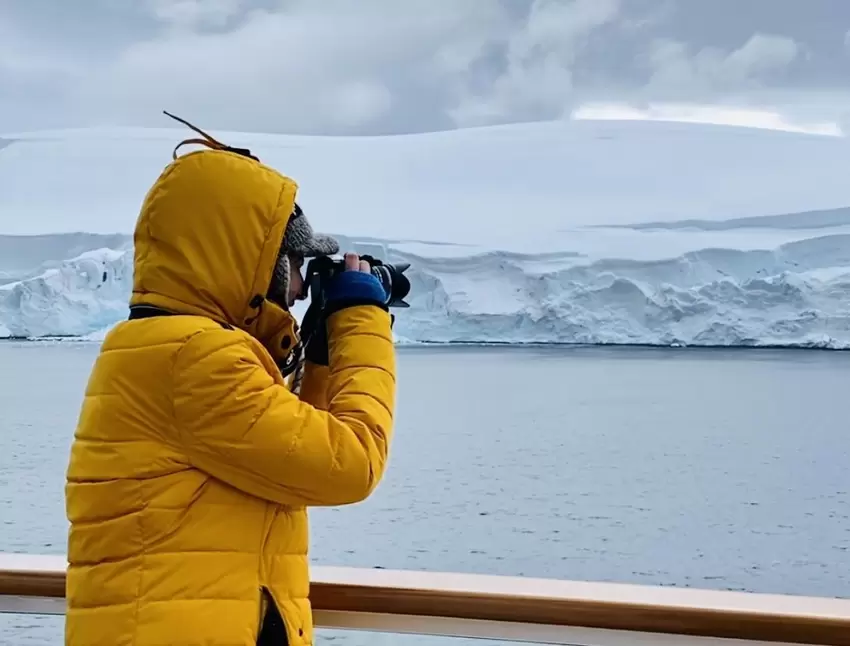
<point x="397" y="286"/>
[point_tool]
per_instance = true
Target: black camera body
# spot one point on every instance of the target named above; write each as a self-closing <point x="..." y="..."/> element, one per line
<point x="322" y="269"/>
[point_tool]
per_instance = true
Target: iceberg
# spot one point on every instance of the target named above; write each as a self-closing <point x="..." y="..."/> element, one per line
<point x="572" y="233"/>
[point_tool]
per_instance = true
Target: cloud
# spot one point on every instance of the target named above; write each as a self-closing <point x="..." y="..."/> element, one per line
<point x="722" y="115"/>
<point x="311" y="68"/>
<point x="379" y="66"/>
<point x="676" y="71"/>
<point x="537" y="78"/>
<point x="194" y="14"/>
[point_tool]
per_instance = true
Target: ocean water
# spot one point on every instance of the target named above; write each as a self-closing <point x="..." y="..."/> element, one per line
<point x="701" y="468"/>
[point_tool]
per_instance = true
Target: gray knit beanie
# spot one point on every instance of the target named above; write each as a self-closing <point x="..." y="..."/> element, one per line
<point x="299" y="239"/>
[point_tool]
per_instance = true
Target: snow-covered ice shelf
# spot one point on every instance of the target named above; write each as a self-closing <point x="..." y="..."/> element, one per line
<point x="584" y="232"/>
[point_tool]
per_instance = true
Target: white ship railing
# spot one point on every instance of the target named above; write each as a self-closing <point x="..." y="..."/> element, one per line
<point x="542" y="611"/>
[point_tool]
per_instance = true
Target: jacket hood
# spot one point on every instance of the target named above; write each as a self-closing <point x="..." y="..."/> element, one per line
<point x="207" y="239"/>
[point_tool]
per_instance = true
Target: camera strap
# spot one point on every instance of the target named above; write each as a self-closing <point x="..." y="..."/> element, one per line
<point x="146" y="311"/>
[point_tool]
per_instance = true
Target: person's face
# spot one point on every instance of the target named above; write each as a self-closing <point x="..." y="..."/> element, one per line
<point x="296" y="281"/>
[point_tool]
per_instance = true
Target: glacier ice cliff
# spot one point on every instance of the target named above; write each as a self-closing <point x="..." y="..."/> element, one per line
<point x="797" y="294"/>
<point x="73" y="298"/>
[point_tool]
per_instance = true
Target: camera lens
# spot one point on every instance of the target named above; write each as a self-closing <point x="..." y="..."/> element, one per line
<point x="395" y="283"/>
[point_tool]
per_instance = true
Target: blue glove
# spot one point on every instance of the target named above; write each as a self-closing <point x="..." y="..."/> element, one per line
<point x="350" y="288"/>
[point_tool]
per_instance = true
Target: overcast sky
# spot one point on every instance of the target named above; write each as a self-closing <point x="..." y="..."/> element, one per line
<point x="388" y="66"/>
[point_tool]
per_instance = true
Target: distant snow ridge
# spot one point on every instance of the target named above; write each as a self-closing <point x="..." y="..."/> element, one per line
<point x="795" y="295"/>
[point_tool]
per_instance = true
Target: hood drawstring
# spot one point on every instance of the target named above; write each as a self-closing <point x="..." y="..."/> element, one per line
<point x="207" y="141"/>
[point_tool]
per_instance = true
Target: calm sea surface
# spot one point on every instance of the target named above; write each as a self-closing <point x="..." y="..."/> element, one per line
<point x="715" y="469"/>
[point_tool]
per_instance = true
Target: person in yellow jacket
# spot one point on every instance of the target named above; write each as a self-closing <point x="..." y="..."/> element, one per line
<point x="193" y="462"/>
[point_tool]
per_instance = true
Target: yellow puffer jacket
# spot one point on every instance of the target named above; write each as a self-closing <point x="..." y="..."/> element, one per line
<point x="192" y="462"/>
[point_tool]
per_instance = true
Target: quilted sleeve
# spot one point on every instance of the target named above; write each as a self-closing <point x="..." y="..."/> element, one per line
<point x="241" y="427"/>
<point x="314" y="385"/>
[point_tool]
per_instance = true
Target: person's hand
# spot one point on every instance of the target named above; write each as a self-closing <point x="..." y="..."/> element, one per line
<point x="353" y="263"/>
<point x="351" y="287"/>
